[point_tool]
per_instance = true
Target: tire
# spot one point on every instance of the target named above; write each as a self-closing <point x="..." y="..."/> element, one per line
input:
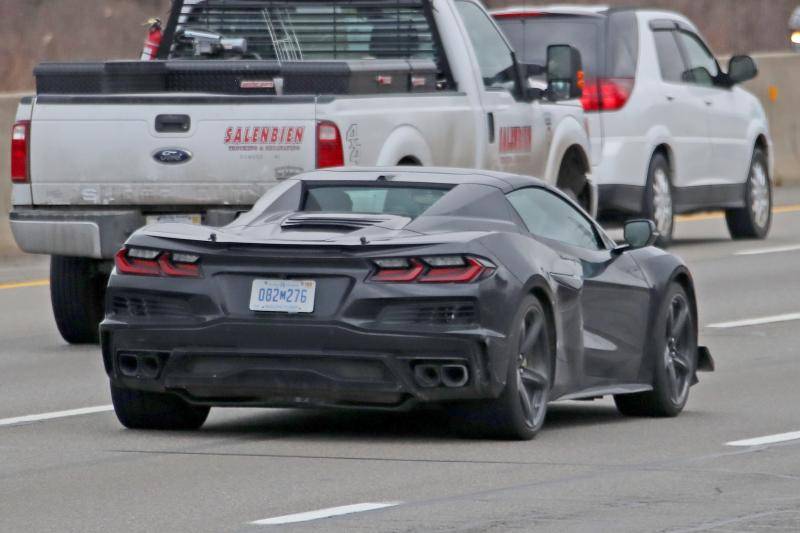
<point x="753" y="221"/>
<point x="77" y="294"/>
<point x="673" y="351"/>
<point x="658" y="205"/>
<point x="572" y="182"/>
<point x="153" y="410"/>
<point x="519" y="413"/>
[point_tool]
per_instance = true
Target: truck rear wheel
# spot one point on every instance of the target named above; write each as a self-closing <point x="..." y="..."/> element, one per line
<point x="77" y="291"/>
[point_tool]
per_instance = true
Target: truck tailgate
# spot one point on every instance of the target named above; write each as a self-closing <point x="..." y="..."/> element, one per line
<point x="167" y="149"/>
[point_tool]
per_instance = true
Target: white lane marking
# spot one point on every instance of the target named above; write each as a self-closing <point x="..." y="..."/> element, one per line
<point x="768" y="439"/>
<point x="324" y="513"/>
<point x="756" y="321"/>
<point x="56" y="414"/>
<point x="775" y="250"/>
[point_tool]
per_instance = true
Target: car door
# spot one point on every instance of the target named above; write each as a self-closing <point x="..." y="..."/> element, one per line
<point x="727" y="120"/>
<point x="509" y="118"/>
<point x="612" y="291"/>
<point x="680" y="107"/>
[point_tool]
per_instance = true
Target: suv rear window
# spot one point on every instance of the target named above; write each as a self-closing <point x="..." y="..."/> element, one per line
<point x="609" y="45"/>
<point x="404" y="201"/>
<point x="306" y="29"/>
<point x="530" y="37"/>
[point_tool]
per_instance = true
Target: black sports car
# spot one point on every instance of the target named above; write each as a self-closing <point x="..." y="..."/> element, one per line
<point x="489" y="293"/>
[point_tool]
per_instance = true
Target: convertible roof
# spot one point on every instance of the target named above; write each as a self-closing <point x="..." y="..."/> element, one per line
<point x="438" y="175"/>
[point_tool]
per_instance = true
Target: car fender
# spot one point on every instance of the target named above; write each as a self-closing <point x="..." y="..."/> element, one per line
<point x="568" y="132"/>
<point x="405" y="141"/>
<point x="661" y="269"/>
<point x="658" y="135"/>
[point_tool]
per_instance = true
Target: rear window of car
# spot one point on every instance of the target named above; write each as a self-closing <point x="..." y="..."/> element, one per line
<point x="609" y="45"/>
<point x="403" y="201"/>
<point x="307" y="29"/>
<point x="531" y="36"/>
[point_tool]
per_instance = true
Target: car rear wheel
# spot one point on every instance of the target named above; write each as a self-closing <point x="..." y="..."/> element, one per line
<point x="673" y="351"/>
<point x="658" y="205"/>
<point x="520" y="411"/>
<point x="152" y="410"/>
<point x="77" y="293"/>
<point x="753" y="221"/>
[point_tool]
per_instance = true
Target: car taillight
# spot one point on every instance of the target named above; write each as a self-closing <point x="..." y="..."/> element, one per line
<point x="435" y="269"/>
<point x="147" y="262"/>
<point x="20" y="137"/>
<point x="606" y="94"/>
<point x="329" y="145"/>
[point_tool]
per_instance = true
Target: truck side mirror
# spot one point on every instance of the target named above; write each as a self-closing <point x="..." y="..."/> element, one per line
<point x="564" y="72"/>
<point x="741" y="68"/>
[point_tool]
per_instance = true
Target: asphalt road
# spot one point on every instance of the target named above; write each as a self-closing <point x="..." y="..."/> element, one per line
<point x="589" y="470"/>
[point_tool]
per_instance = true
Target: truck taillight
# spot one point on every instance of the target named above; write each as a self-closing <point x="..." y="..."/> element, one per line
<point x="606" y="94"/>
<point x="20" y="141"/>
<point x="329" y="145"/>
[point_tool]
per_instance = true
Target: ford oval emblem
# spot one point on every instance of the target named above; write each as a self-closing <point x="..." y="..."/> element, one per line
<point x="172" y="156"/>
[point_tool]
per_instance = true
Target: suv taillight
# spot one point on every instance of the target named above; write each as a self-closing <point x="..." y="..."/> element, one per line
<point x="20" y="140"/>
<point x="606" y="94"/>
<point x="329" y="145"/>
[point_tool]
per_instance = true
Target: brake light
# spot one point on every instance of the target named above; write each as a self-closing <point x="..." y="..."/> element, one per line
<point x="518" y="15"/>
<point x="20" y="137"/>
<point x="329" y="145"/>
<point x="146" y="262"/>
<point x="606" y="94"/>
<point x="436" y="269"/>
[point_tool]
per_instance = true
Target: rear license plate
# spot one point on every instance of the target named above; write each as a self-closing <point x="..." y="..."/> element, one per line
<point x="283" y="295"/>
<point x="178" y="218"/>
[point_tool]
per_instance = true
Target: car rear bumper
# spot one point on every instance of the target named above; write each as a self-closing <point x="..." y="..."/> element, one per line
<point x="286" y="363"/>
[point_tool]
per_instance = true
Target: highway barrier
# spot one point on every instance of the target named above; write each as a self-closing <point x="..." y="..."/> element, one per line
<point x="778" y="87"/>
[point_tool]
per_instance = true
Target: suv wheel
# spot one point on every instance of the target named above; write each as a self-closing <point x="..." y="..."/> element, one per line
<point x="658" y="205"/>
<point x="753" y="221"/>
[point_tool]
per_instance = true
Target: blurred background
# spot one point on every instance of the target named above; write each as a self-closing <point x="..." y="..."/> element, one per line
<point x="54" y="30"/>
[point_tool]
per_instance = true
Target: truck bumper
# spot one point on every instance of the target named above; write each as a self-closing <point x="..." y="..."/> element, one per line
<point x="97" y="234"/>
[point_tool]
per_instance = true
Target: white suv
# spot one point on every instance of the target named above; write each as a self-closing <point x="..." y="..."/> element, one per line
<point x="670" y="131"/>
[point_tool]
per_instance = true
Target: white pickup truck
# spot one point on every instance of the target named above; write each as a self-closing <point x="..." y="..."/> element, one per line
<point x="244" y="94"/>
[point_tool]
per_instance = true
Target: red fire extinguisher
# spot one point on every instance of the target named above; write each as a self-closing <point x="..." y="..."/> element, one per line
<point x="153" y="41"/>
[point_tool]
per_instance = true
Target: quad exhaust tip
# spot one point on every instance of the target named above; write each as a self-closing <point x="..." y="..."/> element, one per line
<point x="431" y="375"/>
<point x="139" y="365"/>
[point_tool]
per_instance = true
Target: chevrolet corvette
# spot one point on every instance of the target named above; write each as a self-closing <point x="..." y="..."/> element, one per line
<point x="490" y="294"/>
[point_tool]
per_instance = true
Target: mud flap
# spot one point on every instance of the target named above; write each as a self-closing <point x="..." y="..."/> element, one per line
<point x="705" y="363"/>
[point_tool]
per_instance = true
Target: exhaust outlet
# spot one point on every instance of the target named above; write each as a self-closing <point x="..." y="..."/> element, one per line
<point x="129" y="365"/>
<point x="150" y="366"/>
<point x="454" y="375"/>
<point x="427" y="376"/>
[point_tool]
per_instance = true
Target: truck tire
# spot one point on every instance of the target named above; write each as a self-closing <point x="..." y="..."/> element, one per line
<point x="77" y="291"/>
<point x="572" y="181"/>
<point x="754" y="219"/>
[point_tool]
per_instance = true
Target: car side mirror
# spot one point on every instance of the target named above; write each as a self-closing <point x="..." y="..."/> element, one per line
<point x="640" y="234"/>
<point x="564" y="72"/>
<point x="741" y="69"/>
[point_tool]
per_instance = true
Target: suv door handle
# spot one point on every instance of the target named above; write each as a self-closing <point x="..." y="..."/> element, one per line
<point x="670" y="98"/>
<point x="709" y="103"/>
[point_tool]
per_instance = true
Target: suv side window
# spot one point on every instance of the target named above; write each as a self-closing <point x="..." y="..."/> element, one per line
<point x="547" y="215"/>
<point x="698" y="57"/>
<point x="495" y="58"/>
<point x="670" y="59"/>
